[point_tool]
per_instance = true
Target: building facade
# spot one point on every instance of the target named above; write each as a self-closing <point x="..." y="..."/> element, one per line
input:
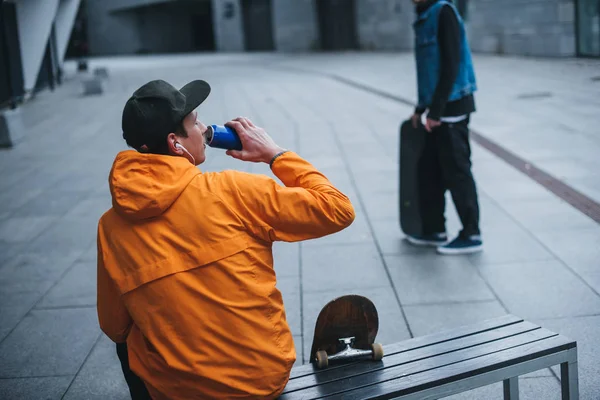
<point x="34" y="36"/>
<point x="552" y="28"/>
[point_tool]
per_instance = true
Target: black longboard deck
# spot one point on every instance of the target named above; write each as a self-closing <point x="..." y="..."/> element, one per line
<point x="412" y="142"/>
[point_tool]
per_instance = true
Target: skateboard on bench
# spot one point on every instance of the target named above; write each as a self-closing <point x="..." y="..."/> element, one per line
<point x="345" y="330"/>
<point x="412" y="142"/>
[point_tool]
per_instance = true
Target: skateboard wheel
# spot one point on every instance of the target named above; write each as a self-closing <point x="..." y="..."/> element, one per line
<point x="377" y="351"/>
<point x="322" y="360"/>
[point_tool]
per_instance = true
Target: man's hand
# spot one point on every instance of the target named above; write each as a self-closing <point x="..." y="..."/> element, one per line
<point x="415" y="120"/>
<point x="431" y="124"/>
<point x="257" y="145"/>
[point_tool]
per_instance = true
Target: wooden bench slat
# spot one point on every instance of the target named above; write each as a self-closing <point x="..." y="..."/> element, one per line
<point x="432" y="363"/>
<point x="394" y="359"/>
<point x="461" y="370"/>
<point x="427" y="340"/>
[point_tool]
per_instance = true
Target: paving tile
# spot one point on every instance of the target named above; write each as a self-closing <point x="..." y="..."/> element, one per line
<point x="547" y="388"/>
<point x="430" y="278"/>
<point x="380" y="205"/>
<point x="520" y="189"/>
<point x="543" y="289"/>
<point x="592" y="278"/>
<point x="586" y="331"/>
<point x="327" y="162"/>
<point x="76" y="288"/>
<point x="49" y="342"/>
<point x="290" y="291"/>
<point x="299" y="351"/>
<point x="589" y="186"/>
<point x="391" y="240"/>
<point x="374" y="165"/>
<point x="16" y="299"/>
<point x="426" y="319"/>
<point x="26" y="267"/>
<point x="93" y="206"/>
<point x="86" y="180"/>
<point x="101" y="376"/>
<point x="511" y="244"/>
<point x="73" y="234"/>
<point x="8" y="251"/>
<point x="493" y="217"/>
<point x="377" y="181"/>
<point x="23" y="229"/>
<point x="547" y="215"/>
<point x="392" y="327"/>
<point x="91" y="254"/>
<point x="19" y="194"/>
<point x="286" y="259"/>
<point x="342" y="267"/>
<point x="51" y="202"/>
<point x="51" y="388"/>
<point x="579" y="248"/>
<point x="359" y="232"/>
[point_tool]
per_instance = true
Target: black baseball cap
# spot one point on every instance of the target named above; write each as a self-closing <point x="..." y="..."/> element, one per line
<point x="156" y="109"/>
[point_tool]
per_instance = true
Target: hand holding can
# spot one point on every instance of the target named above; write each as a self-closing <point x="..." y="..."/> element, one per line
<point x="257" y="145"/>
<point x="223" y="137"/>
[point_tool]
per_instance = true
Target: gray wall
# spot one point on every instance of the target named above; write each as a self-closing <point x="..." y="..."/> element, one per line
<point x="229" y="36"/>
<point x="295" y="25"/>
<point x="174" y="34"/>
<point x="522" y="27"/>
<point x="159" y="28"/>
<point x="519" y="27"/>
<point x="385" y="24"/>
<point x="112" y="33"/>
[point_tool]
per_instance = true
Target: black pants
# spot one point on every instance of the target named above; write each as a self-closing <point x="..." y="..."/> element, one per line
<point x="446" y="165"/>
<point x="137" y="388"/>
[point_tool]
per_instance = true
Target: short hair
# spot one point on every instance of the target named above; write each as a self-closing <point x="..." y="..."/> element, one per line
<point x="158" y="146"/>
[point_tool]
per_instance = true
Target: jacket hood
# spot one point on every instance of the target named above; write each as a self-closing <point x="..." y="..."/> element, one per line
<point x="146" y="185"/>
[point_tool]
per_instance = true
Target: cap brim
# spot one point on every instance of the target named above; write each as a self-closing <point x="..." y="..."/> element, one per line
<point x="195" y="93"/>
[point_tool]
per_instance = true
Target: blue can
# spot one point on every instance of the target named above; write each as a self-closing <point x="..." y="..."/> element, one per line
<point x="223" y="137"/>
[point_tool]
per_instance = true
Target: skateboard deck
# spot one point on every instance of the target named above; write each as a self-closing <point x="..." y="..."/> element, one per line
<point x="412" y="142"/>
<point x="345" y="330"/>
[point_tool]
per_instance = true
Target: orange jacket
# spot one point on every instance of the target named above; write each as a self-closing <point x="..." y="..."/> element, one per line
<point x="185" y="271"/>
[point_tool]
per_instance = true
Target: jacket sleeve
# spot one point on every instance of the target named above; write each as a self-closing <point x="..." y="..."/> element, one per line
<point x="113" y="317"/>
<point x="307" y="207"/>
<point x="449" y="40"/>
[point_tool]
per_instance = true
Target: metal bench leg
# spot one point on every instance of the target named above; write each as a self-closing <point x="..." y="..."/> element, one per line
<point x="569" y="381"/>
<point x="511" y="388"/>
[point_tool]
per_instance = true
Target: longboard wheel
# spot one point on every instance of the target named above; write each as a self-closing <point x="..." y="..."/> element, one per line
<point x="322" y="360"/>
<point x="377" y="351"/>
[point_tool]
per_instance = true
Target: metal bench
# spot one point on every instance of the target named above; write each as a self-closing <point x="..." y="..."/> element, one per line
<point x="446" y="363"/>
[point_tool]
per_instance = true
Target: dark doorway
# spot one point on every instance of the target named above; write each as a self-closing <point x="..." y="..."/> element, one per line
<point x="588" y="28"/>
<point x="47" y="76"/>
<point x="258" y="27"/>
<point x="337" y="24"/>
<point x="11" y="75"/>
<point x="78" y="41"/>
<point x="203" y="37"/>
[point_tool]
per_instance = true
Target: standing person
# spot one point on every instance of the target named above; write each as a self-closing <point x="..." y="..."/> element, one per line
<point x="186" y="284"/>
<point x="446" y="82"/>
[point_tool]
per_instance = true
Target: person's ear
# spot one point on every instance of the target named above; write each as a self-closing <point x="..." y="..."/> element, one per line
<point x="172" y="144"/>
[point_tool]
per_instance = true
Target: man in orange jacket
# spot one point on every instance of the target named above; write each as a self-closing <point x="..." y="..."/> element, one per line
<point x="186" y="285"/>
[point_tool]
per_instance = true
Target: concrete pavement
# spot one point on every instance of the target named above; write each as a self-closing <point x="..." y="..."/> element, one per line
<point x="542" y="257"/>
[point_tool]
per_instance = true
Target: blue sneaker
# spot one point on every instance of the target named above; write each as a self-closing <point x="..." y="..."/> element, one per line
<point x="462" y="245"/>
<point x="433" y="239"/>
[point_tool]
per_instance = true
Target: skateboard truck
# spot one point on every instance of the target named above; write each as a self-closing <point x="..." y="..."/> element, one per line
<point x="349" y="353"/>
